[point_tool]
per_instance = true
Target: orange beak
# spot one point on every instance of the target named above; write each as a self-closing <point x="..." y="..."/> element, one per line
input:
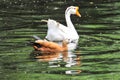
<point x="77" y="12"/>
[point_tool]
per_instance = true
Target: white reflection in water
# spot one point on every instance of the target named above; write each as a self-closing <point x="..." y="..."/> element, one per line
<point x="73" y="72"/>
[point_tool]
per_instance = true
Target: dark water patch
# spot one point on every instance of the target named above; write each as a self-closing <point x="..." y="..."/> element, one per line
<point x="103" y="61"/>
<point x="109" y="37"/>
<point x="98" y="72"/>
<point x="102" y="52"/>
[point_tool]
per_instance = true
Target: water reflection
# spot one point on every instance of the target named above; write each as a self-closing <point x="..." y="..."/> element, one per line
<point x="73" y="72"/>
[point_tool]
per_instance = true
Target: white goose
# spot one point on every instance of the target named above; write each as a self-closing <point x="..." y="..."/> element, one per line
<point x="59" y="32"/>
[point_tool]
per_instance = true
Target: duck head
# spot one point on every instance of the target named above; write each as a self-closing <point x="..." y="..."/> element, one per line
<point x="73" y="10"/>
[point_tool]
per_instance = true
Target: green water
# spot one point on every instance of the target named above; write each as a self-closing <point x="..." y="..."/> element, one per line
<point x="98" y="47"/>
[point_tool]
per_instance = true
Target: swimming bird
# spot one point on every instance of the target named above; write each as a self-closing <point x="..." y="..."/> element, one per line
<point x="47" y="50"/>
<point x="59" y="32"/>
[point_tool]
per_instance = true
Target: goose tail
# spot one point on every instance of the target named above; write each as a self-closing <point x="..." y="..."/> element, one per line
<point x="44" y="21"/>
<point x="36" y="37"/>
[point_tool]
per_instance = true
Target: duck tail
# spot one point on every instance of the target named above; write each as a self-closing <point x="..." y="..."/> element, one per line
<point x="44" y="20"/>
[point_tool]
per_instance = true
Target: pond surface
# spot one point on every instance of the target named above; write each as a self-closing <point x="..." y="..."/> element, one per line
<point x="97" y="56"/>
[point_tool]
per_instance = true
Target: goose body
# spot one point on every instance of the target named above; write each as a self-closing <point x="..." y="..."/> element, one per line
<point x="59" y="32"/>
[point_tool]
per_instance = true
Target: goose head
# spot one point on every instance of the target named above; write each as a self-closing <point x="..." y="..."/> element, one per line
<point x="73" y="10"/>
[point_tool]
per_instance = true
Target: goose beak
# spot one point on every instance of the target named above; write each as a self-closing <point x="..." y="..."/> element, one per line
<point x="77" y="12"/>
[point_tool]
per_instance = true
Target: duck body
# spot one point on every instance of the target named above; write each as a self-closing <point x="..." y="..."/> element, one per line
<point x="49" y="47"/>
<point x="59" y="32"/>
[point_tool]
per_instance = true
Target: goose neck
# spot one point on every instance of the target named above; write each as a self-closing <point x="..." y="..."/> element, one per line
<point x="68" y="20"/>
